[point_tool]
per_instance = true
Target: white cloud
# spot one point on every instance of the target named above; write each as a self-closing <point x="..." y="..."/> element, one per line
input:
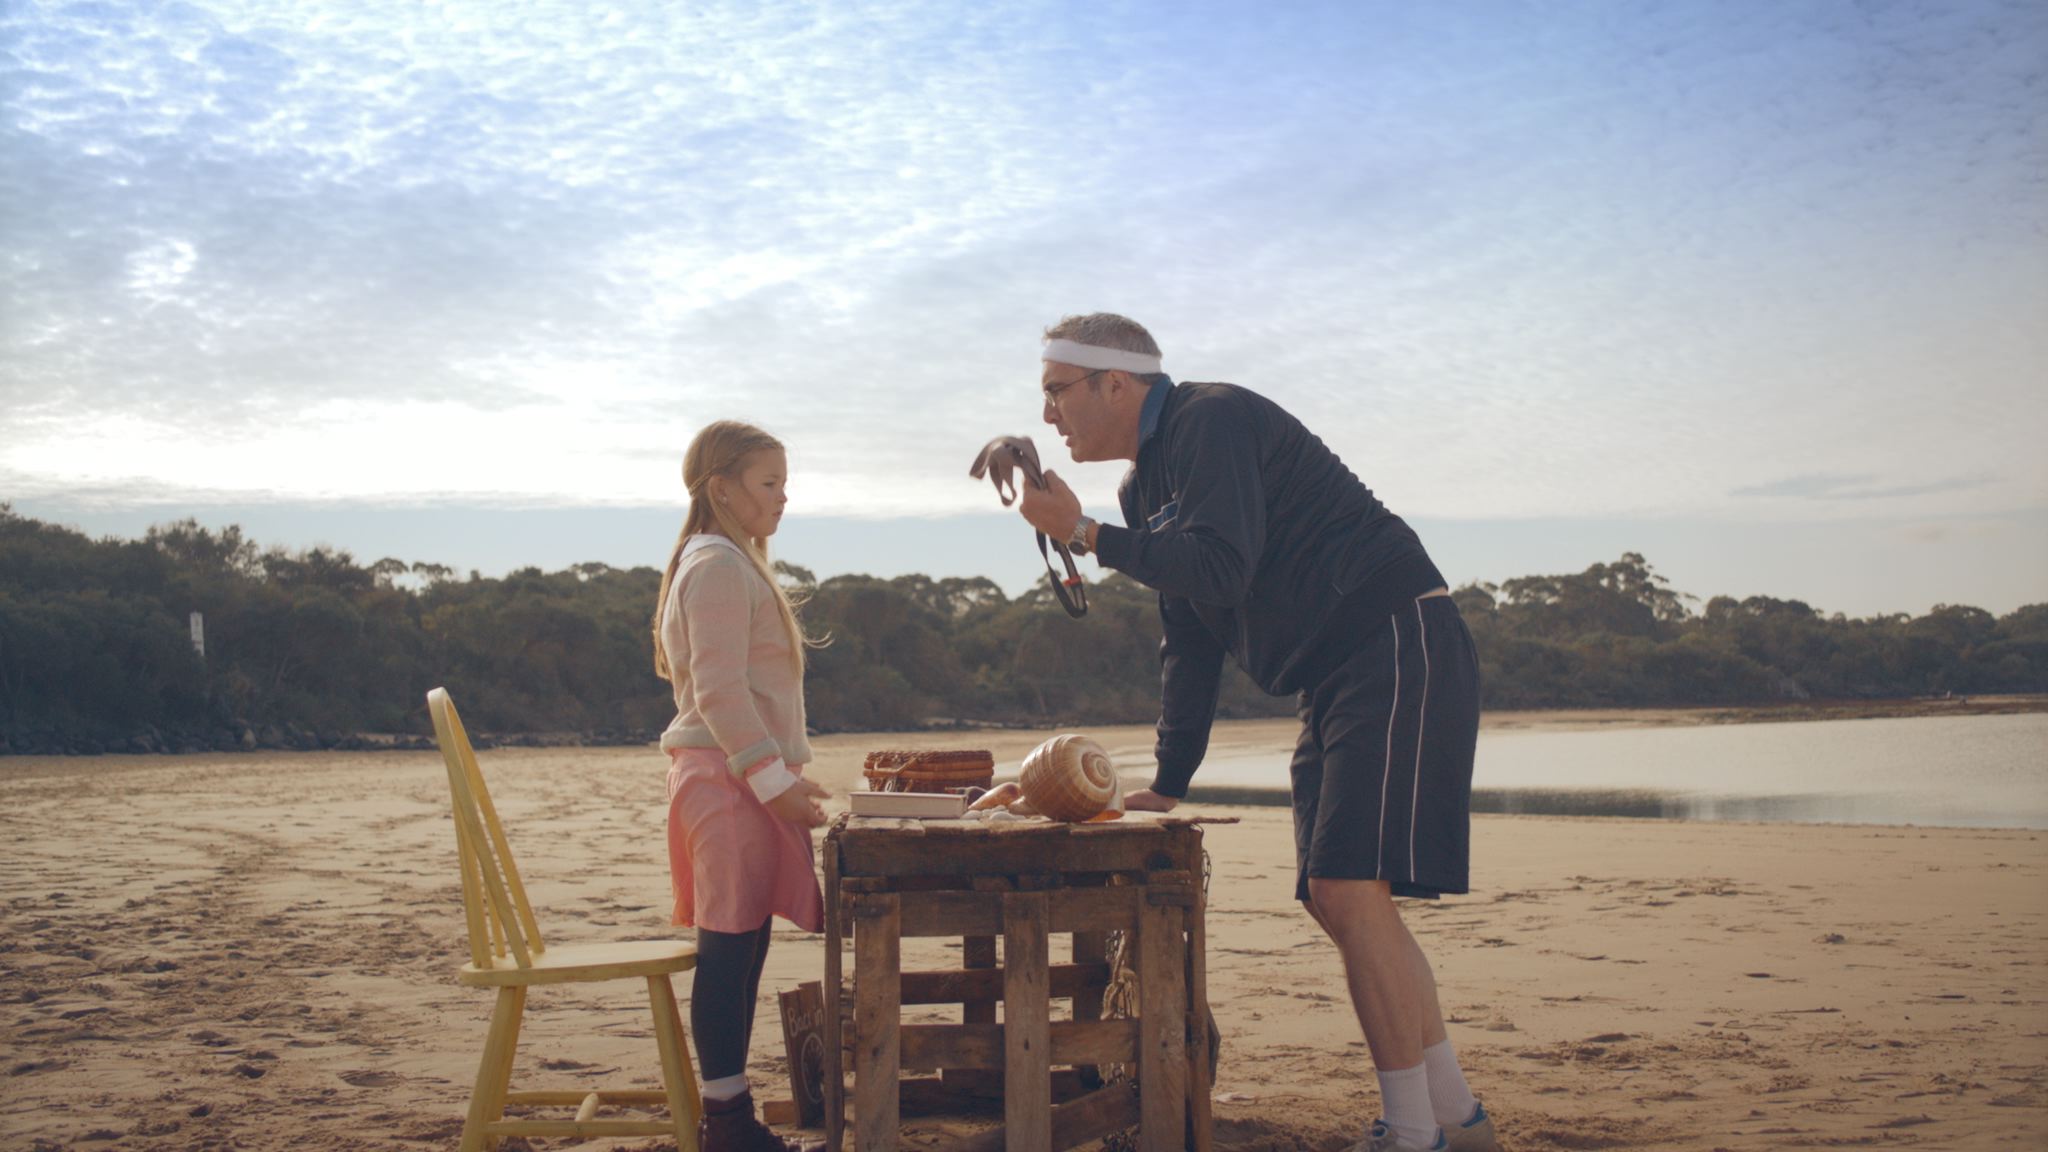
<point x="155" y="272"/>
<point x="1509" y="263"/>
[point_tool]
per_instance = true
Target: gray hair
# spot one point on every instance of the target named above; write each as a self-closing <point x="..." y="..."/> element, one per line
<point x="1105" y="330"/>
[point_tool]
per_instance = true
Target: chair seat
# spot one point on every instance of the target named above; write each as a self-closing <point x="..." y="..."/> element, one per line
<point x="576" y="963"/>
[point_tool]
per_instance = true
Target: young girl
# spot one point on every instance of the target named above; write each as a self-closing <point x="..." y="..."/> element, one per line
<point x="740" y="814"/>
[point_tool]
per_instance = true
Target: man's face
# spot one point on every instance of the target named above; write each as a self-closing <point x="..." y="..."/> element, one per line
<point x="1077" y="404"/>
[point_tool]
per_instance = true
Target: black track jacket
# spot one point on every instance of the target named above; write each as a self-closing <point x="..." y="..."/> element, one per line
<point x="1254" y="534"/>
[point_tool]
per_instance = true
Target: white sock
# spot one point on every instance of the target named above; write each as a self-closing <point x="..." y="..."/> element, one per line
<point x="1449" y="1096"/>
<point x="725" y="1087"/>
<point x="1404" y="1105"/>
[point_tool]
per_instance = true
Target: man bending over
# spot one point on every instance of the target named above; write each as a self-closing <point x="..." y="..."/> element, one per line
<point x="1264" y="547"/>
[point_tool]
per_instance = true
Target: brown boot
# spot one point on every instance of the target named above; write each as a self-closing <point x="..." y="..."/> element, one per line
<point x="730" y="1126"/>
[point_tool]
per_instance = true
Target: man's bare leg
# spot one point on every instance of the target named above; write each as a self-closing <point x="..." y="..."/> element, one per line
<point x="1450" y="1097"/>
<point x="1393" y="990"/>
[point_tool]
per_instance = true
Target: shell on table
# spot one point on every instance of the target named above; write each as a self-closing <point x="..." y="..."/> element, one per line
<point x="1001" y="796"/>
<point x="1069" y="777"/>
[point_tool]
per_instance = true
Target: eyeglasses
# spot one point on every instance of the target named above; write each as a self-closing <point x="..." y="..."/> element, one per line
<point x="1052" y="391"/>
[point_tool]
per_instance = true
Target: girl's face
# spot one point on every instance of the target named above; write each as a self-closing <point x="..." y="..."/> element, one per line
<point x="755" y="497"/>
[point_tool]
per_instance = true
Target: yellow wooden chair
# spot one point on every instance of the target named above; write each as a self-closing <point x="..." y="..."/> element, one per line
<point x="506" y="953"/>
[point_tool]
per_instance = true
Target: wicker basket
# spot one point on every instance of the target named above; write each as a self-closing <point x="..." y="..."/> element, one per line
<point x="931" y="771"/>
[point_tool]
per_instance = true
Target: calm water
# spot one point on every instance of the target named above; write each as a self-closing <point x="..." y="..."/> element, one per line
<point x="1958" y="772"/>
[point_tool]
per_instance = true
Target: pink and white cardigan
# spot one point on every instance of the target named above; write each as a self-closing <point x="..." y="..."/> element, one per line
<point x="736" y="687"/>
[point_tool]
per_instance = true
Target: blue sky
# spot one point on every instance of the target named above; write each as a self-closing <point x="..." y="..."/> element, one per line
<point x="1753" y="288"/>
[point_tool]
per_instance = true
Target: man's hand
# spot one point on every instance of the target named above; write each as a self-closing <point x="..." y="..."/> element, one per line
<point x="1053" y="510"/>
<point x="1146" y="800"/>
<point x="799" y="804"/>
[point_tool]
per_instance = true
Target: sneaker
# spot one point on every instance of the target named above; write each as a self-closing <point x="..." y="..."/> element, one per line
<point x="1380" y="1138"/>
<point x="1474" y="1135"/>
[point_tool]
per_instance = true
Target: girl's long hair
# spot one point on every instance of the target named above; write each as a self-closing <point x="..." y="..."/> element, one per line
<point x="722" y="449"/>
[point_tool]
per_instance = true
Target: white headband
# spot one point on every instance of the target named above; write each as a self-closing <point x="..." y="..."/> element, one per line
<point x="1099" y="359"/>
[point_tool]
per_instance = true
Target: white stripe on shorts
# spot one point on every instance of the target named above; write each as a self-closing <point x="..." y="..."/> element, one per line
<point x="1379" y="851"/>
<point x="1421" y="715"/>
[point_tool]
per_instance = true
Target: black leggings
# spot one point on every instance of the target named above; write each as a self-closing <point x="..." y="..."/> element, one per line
<point x="722" y="999"/>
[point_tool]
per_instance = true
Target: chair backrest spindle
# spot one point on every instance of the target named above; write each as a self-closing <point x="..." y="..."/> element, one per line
<point x="494" y="902"/>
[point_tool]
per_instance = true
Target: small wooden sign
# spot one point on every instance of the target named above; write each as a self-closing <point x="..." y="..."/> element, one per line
<point x="803" y="1038"/>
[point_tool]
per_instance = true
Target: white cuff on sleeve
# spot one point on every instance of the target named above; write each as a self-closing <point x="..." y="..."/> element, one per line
<point x="771" y="779"/>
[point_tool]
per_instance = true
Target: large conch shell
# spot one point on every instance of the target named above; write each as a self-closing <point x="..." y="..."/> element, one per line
<point x="1071" y="778"/>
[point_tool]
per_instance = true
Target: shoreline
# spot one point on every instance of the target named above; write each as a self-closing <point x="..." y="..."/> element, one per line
<point x="243" y="739"/>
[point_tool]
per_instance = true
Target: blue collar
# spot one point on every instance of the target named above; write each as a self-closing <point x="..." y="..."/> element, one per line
<point x="1155" y="403"/>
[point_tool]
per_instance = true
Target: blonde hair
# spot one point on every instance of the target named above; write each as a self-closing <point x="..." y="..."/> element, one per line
<point x="723" y="449"/>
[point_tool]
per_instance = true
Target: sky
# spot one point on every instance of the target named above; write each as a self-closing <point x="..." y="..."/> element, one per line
<point x="1756" y="289"/>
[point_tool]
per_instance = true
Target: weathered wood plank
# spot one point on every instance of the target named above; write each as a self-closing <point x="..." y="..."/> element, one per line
<point x="1088" y="1042"/>
<point x="978" y="987"/>
<point x="872" y="852"/>
<point x="835" y="1068"/>
<point x="1090" y="948"/>
<point x="935" y="1047"/>
<point x="1027" y="1023"/>
<point x="981" y="913"/>
<point x="1200" y="1082"/>
<point x="929" y="1047"/>
<point x="877" y="968"/>
<point x="978" y="954"/>
<point x="1162" y="1015"/>
<point x="927" y="1096"/>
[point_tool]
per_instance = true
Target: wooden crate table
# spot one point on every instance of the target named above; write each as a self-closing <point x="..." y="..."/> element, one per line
<point x="1022" y="882"/>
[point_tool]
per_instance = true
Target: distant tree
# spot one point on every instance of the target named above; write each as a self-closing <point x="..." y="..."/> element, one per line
<point x="94" y="651"/>
<point x="188" y="544"/>
<point x="1625" y="598"/>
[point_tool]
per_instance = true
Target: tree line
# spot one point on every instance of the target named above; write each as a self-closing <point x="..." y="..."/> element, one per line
<point x="307" y="649"/>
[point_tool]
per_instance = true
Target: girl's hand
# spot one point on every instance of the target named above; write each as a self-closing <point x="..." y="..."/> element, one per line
<point x="798" y="804"/>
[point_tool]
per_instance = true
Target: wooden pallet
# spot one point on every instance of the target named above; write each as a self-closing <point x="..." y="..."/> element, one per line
<point x="1023" y="883"/>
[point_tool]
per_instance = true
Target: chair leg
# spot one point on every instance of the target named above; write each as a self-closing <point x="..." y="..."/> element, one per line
<point x="678" y="1074"/>
<point x="494" y="1072"/>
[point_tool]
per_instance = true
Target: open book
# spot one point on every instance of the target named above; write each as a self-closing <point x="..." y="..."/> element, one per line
<point x="927" y="805"/>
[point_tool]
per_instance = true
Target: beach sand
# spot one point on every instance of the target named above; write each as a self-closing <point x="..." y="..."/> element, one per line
<point x="258" y="951"/>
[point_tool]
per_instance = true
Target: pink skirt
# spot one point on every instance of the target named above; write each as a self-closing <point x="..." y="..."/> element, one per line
<point x="732" y="862"/>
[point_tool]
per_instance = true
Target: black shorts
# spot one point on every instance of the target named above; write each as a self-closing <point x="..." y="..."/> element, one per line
<point x="1382" y="774"/>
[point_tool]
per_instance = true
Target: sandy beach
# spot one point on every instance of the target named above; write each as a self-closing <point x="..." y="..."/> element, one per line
<point x="257" y="951"/>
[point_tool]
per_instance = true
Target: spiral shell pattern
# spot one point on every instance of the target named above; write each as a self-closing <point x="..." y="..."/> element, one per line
<point x="1069" y="777"/>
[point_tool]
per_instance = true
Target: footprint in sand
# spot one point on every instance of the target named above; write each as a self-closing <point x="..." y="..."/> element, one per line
<point x="369" y="1078"/>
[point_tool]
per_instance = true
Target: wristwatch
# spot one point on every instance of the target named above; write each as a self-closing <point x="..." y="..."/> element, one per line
<point x="1077" y="540"/>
